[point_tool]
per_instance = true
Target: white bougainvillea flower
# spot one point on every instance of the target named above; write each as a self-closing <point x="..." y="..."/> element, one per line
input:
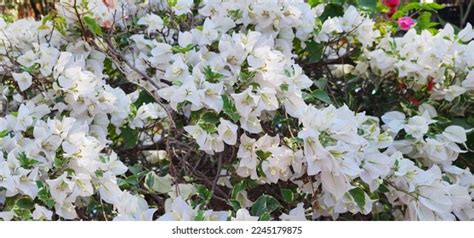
<point x="100" y="113"/>
<point x="133" y="208"/>
<point x="243" y="215"/>
<point x="60" y="188"/>
<point x="7" y="215"/>
<point x="152" y="22"/>
<point x="24" y="80"/>
<point x="245" y="101"/>
<point x="42" y="213"/>
<point x="28" y="59"/>
<point x="227" y="131"/>
<point x="211" y="95"/>
<point x="467" y="33"/>
<point x="417" y="126"/>
<point x="25" y="181"/>
<point x="182" y="6"/>
<point x="295" y="214"/>
<point x="178" y="210"/>
<point x="6" y="179"/>
<point x="455" y="134"/>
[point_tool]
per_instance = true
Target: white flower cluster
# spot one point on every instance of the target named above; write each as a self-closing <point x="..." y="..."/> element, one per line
<point x="228" y="76"/>
<point x="441" y="62"/>
<point x="57" y="139"/>
<point x="356" y="26"/>
<point x="444" y="189"/>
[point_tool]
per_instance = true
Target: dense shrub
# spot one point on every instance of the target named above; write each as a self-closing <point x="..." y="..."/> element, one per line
<point x="236" y="110"/>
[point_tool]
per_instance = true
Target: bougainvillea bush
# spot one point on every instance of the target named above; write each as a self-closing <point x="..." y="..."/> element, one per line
<point x="236" y="110"/>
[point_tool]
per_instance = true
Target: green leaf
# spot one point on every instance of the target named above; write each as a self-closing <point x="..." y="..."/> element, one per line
<point x="260" y="172"/>
<point x="470" y="120"/>
<point x="245" y="75"/>
<point x="321" y="84"/>
<point x="210" y="117"/>
<point x="317" y="94"/>
<point x="359" y="196"/>
<point x="209" y="128"/>
<point x="130" y="137"/>
<point x="462" y="122"/>
<point x="332" y="10"/>
<point x="92" y="25"/>
<point x="235" y="204"/>
<point x="136" y="169"/>
<point x="203" y="193"/>
<point x="24" y="214"/>
<point x="416" y="6"/>
<point x="241" y="186"/>
<point x="129" y="182"/>
<point x="26" y="162"/>
<point x="229" y="108"/>
<point x="200" y="216"/>
<point x="287" y="195"/>
<point x="264" y="204"/>
<point x="58" y="21"/>
<point x="211" y="76"/>
<point x="32" y="69"/>
<point x="25" y="203"/>
<point x="370" y="5"/>
<point x="143" y="98"/>
<point x="8" y="18"/>
<point x="424" y="22"/>
<point x="44" y="195"/>
<point x="172" y="3"/>
<point x="208" y="121"/>
<point x="315" y="51"/>
<point x="314" y="3"/>
<point x="157" y="183"/>
<point x="264" y="217"/>
<point x="263" y="155"/>
<point x="4" y="133"/>
<point x="183" y="50"/>
<point x="383" y="188"/>
<point x="150" y="180"/>
<point x="59" y="161"/>
<point x="23" y="207"/>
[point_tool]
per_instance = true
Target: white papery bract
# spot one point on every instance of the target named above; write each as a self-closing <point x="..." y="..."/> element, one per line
<point x="231" y="76"/>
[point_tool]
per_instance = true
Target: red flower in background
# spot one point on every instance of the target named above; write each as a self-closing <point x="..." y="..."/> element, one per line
<point x="430" y="85"/>
<point x="414" y="101"/>
<point x="391" y="3"/>
<point x="391" y="12"/>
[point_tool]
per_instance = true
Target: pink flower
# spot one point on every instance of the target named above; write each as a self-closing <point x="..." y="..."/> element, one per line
<point x="391" y="3"/>
<point x="110" y="4"/>
<point x="405" y="23"/>
<point x="107" y="24"/>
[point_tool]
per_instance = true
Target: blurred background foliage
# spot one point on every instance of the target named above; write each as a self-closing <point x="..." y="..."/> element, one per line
<point x="26" y="8"/>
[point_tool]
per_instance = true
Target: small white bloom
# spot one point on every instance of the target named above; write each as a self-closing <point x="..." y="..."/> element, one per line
<point x="417" y="126"/>
<point x="244" y="215"/>
<point x="182" y="6"/>
<point x="41" y="213"/>
<point x="296" y="214"/>
<point x="227" y="131"/>
<point x="455" y="134"/>
<point x="152" y="21"/>
<point x="24" y="80"/>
